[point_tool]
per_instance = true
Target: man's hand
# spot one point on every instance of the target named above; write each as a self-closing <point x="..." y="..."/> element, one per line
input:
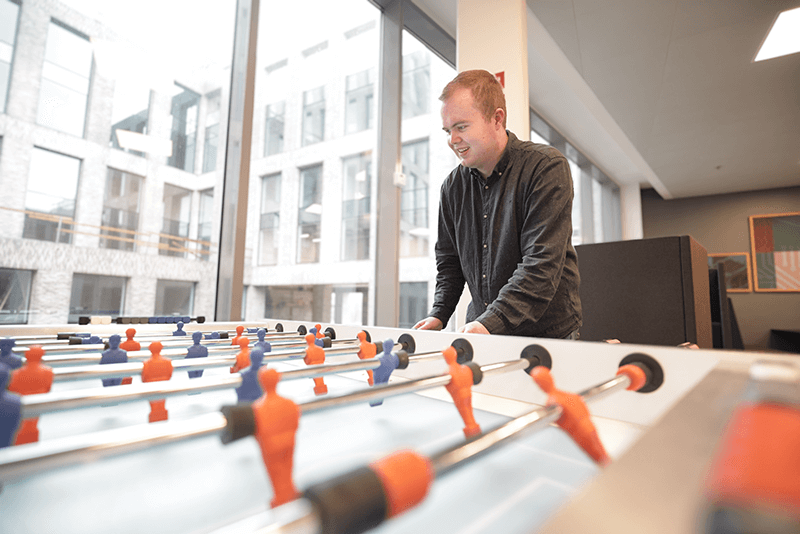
<point x="475" y="327"/>
<point x="429" y="323"/>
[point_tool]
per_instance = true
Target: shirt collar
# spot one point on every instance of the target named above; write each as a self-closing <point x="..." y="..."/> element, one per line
<point x="502" y="164"/>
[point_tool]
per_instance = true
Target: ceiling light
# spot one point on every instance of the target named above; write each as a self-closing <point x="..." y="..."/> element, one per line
<point x="783" y="38"/>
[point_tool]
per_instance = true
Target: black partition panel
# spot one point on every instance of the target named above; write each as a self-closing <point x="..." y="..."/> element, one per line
<point x="652" y="291"/>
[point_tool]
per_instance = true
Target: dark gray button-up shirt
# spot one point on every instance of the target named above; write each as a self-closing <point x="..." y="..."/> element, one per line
<point x="509" y="236"/>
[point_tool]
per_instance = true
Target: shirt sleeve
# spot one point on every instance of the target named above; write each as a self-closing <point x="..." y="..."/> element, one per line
<point x="449" y="276"/>
<point x="545" y="236"/>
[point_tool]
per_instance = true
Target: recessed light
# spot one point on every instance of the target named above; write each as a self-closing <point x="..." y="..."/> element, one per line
<point x="783" y="38"/>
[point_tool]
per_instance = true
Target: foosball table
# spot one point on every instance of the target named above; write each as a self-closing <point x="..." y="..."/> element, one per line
<point x="291" y="426"/>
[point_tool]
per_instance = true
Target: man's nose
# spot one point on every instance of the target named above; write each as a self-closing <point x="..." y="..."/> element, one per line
<point x="454" y="137"/>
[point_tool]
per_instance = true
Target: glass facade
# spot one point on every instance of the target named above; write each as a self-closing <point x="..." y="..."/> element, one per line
<point x="309" y="215"/>
<point x="356" y="207"/>
<point x="270" y="219"/>
<point x="94" y="294"/>
<point x="65" y="79"/>
<point x="414" y="227"/>
<point x="360" y="96"/>
<point x="50" y="199"/>
<point x="9" y="14"/>
<point x="313" y="116"/>
<point x="174" y="297"/>
<point x="273" y="130"/>
<point x="121" y="210"/>
<point x="15" y="295"/>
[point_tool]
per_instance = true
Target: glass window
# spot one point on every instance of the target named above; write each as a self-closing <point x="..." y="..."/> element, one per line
<point x="313" y="116"/>
<point x="273" y="130"/>
<point x="349" y="305"/>
<point x="175" y="228"/>
<point x="121" y="210"/>
<point x="9" y="14"/>
<point x="212" y="132"/>
<point x="99" y="78"/>
<point x="205" y="222"/>
<point x="94" y="294"/>
<point x="298" y="302"/>
<point x="413" y="303"/>
<point x="185" y="106"/>
<point x="416" y="83"/>
<point x="414" y="230"/>
<point x="174" y="297"/>
<point x="130" y="114"/>
<point x="309" y="215"/>
<point x="65" y="80"/>
<point x="15" y="295"/>
<point x="270" y="219"/>
<point x="50" y="199"/>
<point x="359" y="97"/>
<point x="356" y="207"/>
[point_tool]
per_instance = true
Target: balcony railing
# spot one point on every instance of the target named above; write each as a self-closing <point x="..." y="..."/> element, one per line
<point x="61" y="229"/>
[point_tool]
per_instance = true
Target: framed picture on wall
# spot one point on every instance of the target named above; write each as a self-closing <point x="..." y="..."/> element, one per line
<point x="775" y="245"/>
<point x="737" y="270"/>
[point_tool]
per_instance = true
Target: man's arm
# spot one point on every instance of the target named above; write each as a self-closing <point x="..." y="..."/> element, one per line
<point x="545" y="236"/>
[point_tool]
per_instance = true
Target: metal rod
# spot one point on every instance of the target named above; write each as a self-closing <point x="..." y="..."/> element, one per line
<point x="121" y="370"/>
<point x="299" y="515"/>
<point x="449" y="459"/>
<point x="25" y="460"/>
<point x="36" y="405"/>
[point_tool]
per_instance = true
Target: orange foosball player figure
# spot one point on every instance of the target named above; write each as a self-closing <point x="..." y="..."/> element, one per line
<point x="318" y="328"/>
<point x="243" y="356"/>
<point x="460" y="388"/>
<point x="32" y="378"/>
<point x="575" y="419"/>
<point x="157" y="369"/>
<point x="277" y="419"/>
<point x="315" y="355"/>
<point x="366" y="350"/>
<point x="238" y="336"/>
<point x="129" y="345"/>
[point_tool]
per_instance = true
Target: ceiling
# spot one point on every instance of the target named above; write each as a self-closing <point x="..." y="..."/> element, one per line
<point x="676" y="82"/>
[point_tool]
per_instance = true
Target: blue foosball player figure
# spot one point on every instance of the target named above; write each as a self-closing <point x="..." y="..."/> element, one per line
<point x="250" y="390"/>
<point x="389" y="362"/>
<point x="113" y="354"/>
<point x="262" y="342"/>
<point x="196" y="351"/>
<point x="180" y="331"/>
<point x="7" y="357"/>
<point x="10" y="409"/>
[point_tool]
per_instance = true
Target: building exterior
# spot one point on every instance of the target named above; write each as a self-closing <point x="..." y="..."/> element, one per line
<point x="92" y="223"/>
<point x="112" y="157"/>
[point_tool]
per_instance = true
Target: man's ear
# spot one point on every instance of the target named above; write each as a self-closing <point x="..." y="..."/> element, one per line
<point x="499" y="116"/>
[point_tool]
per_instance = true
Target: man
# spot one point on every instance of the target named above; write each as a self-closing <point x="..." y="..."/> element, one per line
<point x="505" y="223"/>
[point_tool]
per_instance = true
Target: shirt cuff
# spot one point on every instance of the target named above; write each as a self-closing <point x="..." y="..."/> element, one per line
<point x="492" y="322"/>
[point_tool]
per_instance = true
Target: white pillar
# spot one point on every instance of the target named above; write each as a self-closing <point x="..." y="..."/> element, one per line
<point x="631" y="208"/>
<point x="493" y="36"/>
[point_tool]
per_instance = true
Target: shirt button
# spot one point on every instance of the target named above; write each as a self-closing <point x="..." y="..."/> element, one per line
<point x="485" y="245"/>
<point x="485" y="303"/>
<point x="485" y="216"/>
<point x="486" y="187"/>
<point x="484" y="276"/>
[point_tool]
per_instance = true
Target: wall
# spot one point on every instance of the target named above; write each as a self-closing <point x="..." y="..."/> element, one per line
<point x="720" y="224"/>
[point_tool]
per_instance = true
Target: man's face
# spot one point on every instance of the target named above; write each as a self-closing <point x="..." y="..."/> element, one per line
<point x="473" y="139"/>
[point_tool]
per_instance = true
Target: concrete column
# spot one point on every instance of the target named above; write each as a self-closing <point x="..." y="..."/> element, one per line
<point x="494" y="36"/>
<point x="631" y="208"/>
